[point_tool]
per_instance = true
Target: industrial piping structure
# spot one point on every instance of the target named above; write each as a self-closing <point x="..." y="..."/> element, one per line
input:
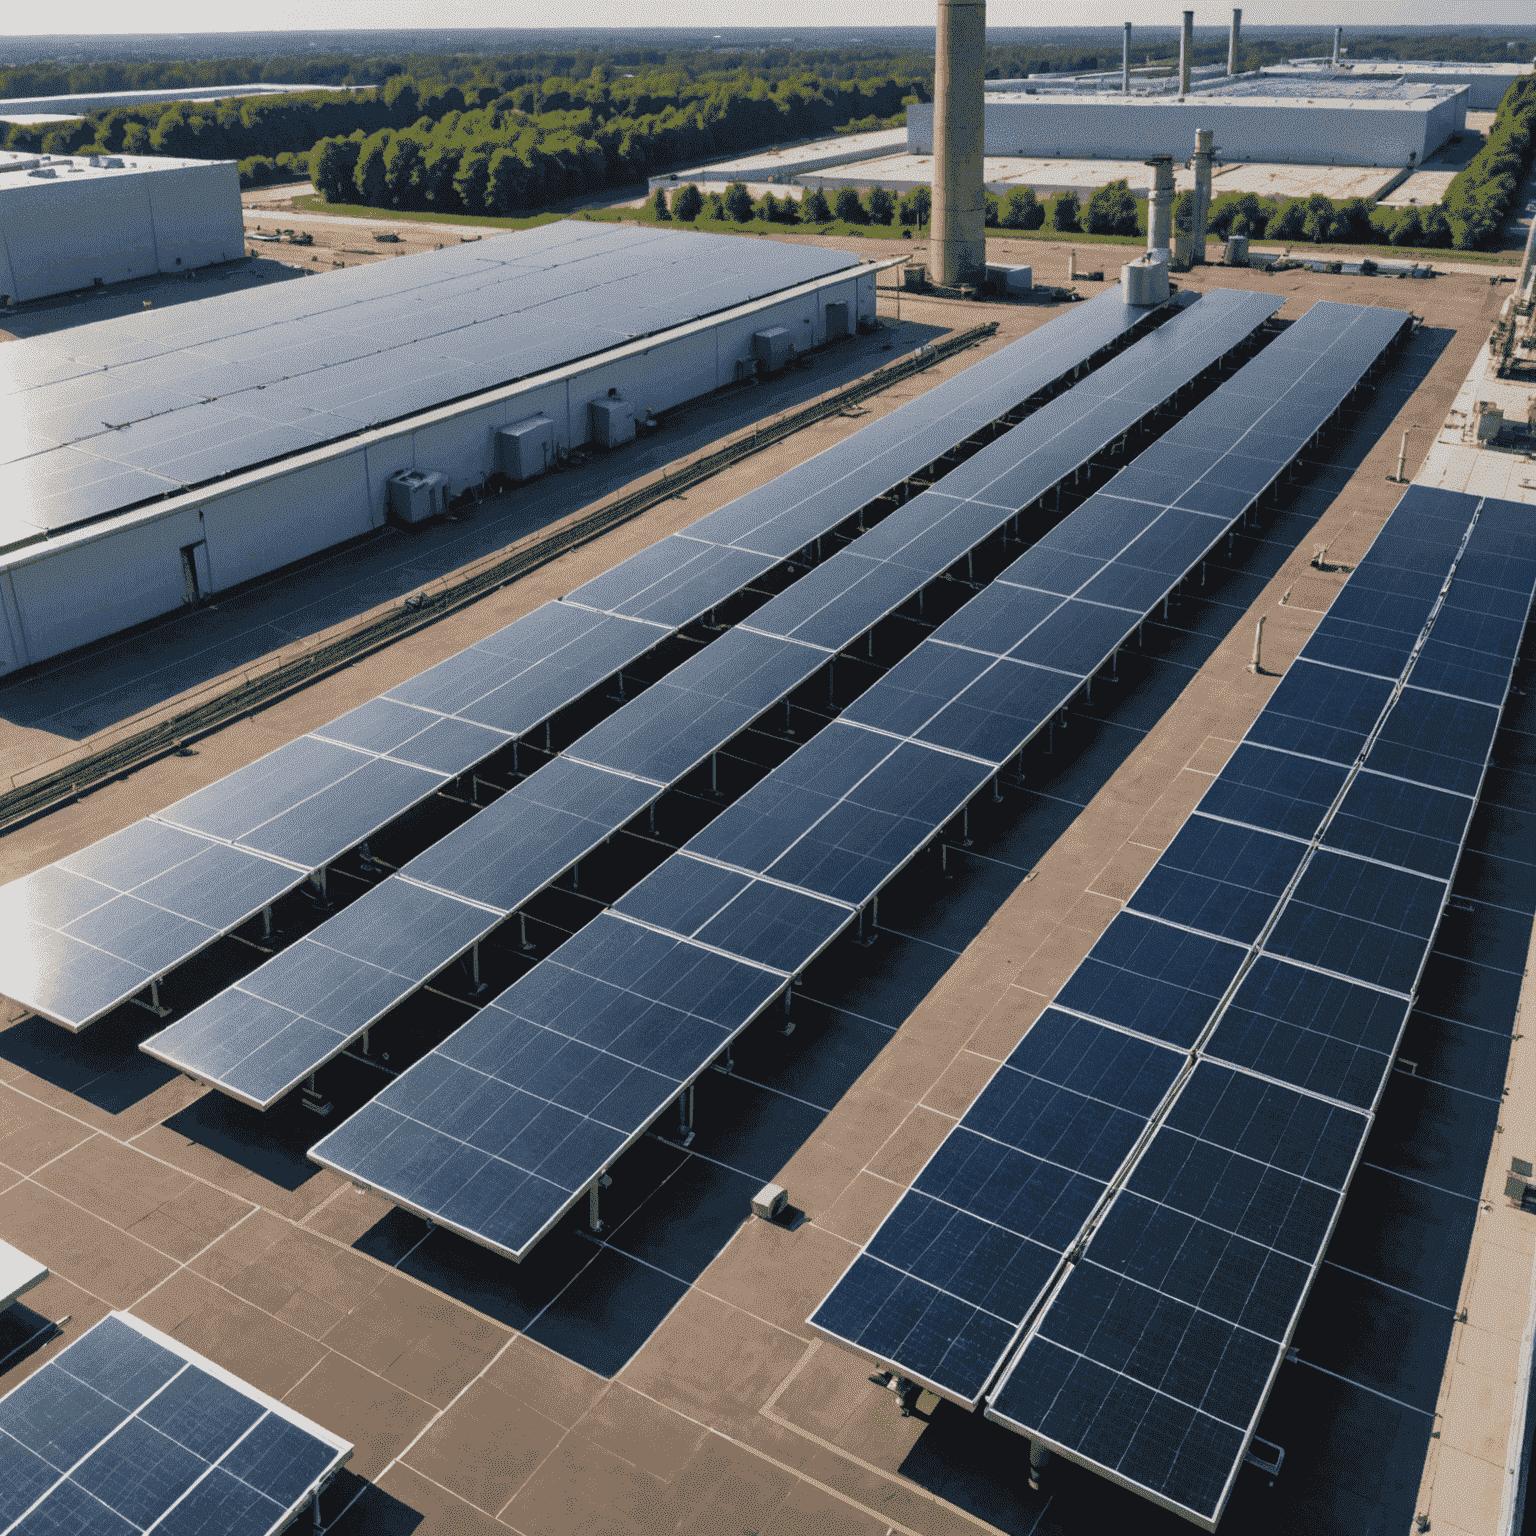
<point x="1205" y="145"/>
<point x="1186" y="52"/>
<point x="959" y="237"/>
<point x="1237" y="27"/>
<point x="1338" y="41"/>
<point x="1160" y="209"/>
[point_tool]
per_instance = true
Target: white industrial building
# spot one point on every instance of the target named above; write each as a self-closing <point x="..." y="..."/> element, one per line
<point x="164" y="457"/>
<point x="1485" y="83"/>
<point x="62" y="108"/>
<point x="71" y="221"/>
<point x="1396" y="128"/>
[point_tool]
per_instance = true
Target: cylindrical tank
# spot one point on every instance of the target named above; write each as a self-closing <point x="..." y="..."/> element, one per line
<point x="1186" y="52"/>
<point x="1237" y="27"/>
<point x="1125" y="62"/>
<point x="1144" y="282"/>
<point x="959" y="238"/>
<point x="1160" y="208"/>
<point x="1205" y="141"/>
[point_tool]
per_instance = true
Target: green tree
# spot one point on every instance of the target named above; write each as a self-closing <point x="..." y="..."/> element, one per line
<point x="1317" y="223"/>
<point x="848" y="207"/>
<point x="334" y="163"/>
<point x="1112" y="210"/>
<point x="737" y="203"/>
<point x="917" y="207"/>
<point x="371" y="178"/>
<point x="687" y="203"/>
<point x="882" y="206"/>
<point x="659" y="206"/>
<point x="814" y="210"/>
<point x="1023" y="210"/>
<point x="1409" y="228"/>
<point x="1064" y="215"/>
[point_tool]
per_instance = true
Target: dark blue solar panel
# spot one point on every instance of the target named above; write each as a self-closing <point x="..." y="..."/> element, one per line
<point x="1436" y="740"/>
<point x="1221" y="878"/>
<point x="1323" y="1034"/>
<point x="1275" y="790"/>
<point x="1158" y="980"/>
<point x="960" y="1262"/>
<point x="121" y="1433"/>
<point x="1401" y="823"/>
<point x="1321" y="712"/>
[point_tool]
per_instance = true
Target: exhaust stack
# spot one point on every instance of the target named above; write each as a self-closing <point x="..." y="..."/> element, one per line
<point x="1205" y="141"/>
<point x="1186" y="52"/>
<point x="1160" y="209"/>
<point x="1338" y="39"/>
<point x="1237" y="27"/>
<point x="959" y="205"/>
<point x="1125" y="63"/>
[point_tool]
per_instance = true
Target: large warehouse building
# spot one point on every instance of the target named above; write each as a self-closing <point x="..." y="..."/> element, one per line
<point x="74" y="221"/>
<point x="1338" y="123"/>
<point x="170" y="455"/>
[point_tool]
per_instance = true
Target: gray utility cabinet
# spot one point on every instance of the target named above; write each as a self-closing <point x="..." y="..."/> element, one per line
<point x="613" y="422"/>
<point x="417" y="494"/>
<point x="773" y="347"/>
<point x="526" y="448"/>
<point x="839" y="321"/>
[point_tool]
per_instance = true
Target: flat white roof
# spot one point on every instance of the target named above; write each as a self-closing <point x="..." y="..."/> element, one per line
<point x="25" y="170"/>
<point x="1509" y="70"/>
<point x="18" y="1274"/>
<point x="1434" y="96"/>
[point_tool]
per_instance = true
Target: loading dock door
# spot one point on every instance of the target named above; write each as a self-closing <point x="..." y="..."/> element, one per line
<point x="195" y="576"/>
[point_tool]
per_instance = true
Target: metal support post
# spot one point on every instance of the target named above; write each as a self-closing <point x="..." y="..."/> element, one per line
<point x="576" y="875"/>
<point x="318" y="1526"/>
<point x="965" y="827"/>
<point x="831" y="677"/>
<point x="366" y="1050"/>
<point x="685" y="1116"/>
<point x="266" y="922"/>
<point x="547" y="746"/>
<point x="997" y="789"/>
<point x="474" y="971"/>
<point x="789" y="997"/>
<point x="522" y="928"/>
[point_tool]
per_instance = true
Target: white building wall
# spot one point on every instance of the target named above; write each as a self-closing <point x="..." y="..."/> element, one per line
<point x="1056" y="127"/>
<point x="98" y="580"/>
<point x="86" y="224"/>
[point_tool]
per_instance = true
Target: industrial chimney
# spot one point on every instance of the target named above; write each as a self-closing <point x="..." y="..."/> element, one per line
<point x="1160" y="209"/>
<point x="1186" y="52"/>
<point x="959" y="237"/>
<point x="1237" y="27"/>
<point x="1125" y="62"/>
<point x="1205" y="141"/>
<point x="1338" y="38"/>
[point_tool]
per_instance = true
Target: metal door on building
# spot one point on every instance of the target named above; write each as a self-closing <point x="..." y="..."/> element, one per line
<point x="195" y="576"/>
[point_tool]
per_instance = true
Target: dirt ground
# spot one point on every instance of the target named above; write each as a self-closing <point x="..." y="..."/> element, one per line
<point x="664" y="1379"/>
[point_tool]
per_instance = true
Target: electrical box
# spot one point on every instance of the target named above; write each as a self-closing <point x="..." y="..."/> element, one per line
<point x="416" y="495"/>
<point x="1490" y="421"/>
<point x="839" y="322"/>
<point x="613" y="422"/>
<point x="769" y="1201"/>
<point x="1011" y="279"/>
<point x="526" y="448"/>
<point x="1236" y="254"/>
<point x="774" y="347"/>
<point x="1144" y="282"/>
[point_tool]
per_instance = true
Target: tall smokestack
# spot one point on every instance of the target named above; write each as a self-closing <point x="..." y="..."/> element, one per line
<point x="1338" y="39"/>
<point x="1186" y="52"/>
<point x="1125" y="62"/>
<point x="1160" y="209"/>
<point x="1237" y="27"/>
<point x="959" y="238"/>
<point x="1205" y="142"/>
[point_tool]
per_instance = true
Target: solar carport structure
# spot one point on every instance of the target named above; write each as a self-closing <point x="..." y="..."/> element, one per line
<point x="110" y="922"/>
<point x="500" y="1129"/>
<point x="128" y="1430"/>
<point x="1144" y="1190"/>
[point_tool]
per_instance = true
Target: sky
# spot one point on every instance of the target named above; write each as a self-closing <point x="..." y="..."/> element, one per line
<point x="88" y="16"/>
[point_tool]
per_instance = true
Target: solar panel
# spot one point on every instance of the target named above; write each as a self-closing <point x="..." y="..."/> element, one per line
<point x="128" y="1430"/>
<point x="511" y="681"/>
<point x="1153" y="1359"/>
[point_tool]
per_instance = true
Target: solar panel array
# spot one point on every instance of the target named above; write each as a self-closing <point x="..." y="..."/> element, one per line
<point x="926" y="1291"/>
<point x="286" y="1019"/>
<point x="497" y="1131"/>
<point x="110" y="415"/>
<point x="128" y="1431"/>
<point x="1309" y="883"/>
<point x="150" y="900"/>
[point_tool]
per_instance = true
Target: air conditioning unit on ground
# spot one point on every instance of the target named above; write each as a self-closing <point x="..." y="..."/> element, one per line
<point x="613" y="422"/>
<point x="773" y="348"/>
<point x="1010" y="279"/>
<point x="526" y="448"/>
<point x="416" y="495"/>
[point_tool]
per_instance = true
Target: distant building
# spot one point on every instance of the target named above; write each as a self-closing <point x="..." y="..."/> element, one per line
<point x="72" y="221"/>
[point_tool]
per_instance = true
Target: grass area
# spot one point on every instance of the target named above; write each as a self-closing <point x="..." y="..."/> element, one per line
<point x="840" y="228"/>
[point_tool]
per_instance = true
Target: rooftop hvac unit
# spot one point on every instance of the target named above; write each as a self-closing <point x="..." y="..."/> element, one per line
<point x="526" y="448"/>
<point x="613" y="422"/>
<point x="1237" y="251"/>
<point x="1490" y="421"/>
<point x="1145" y="282"/>
<point x="769" y="1202"/>
<point x="1011" y="279"/>
<point x="773" y="347"/>
<point x="416" y="495"/>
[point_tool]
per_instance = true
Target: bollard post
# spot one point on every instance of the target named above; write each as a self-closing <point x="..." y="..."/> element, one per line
<point x="1258" y="641"/>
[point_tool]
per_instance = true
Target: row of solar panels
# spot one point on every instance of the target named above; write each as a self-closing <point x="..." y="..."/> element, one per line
<point x="99" y="927"/>
<point x="127" y="1430"/>
<point x="1215" y="1060"/>
<point x="498" y="1131"/>
<point x="286" y="1019"/>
